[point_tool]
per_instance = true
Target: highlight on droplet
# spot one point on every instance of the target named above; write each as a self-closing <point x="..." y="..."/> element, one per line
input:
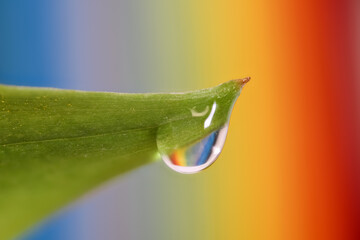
<point x="210" y="117"/>
<point x="199" y="155"/>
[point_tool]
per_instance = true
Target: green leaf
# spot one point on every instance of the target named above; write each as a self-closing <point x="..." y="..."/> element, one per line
<point x="56" y="145"/>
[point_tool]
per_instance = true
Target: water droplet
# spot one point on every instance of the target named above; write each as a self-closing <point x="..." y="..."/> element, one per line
<point x="199" y="155"/>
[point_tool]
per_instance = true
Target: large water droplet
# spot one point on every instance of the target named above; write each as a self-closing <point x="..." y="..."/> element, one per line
<point x="199" y="155"/>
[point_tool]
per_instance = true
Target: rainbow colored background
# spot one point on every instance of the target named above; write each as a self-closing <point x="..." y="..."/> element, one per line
<point x="290" y="168"/>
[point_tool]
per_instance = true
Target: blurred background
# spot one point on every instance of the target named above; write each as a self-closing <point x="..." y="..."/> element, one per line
<point x="290" y="168"/>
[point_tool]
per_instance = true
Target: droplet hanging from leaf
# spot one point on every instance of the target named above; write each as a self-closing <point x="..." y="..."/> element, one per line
<point x="56" y="145"/>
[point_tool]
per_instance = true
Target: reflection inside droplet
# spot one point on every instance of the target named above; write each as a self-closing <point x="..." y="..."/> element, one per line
<point x="199" y="155"/>
<point x="210" y="117"/>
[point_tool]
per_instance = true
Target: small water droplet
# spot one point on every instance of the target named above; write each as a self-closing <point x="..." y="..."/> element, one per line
<point x="199" y="155"/>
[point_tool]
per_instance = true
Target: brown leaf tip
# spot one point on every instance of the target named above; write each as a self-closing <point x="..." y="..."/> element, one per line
<point x="245" y="80"/>
<point x="242" y="81"/>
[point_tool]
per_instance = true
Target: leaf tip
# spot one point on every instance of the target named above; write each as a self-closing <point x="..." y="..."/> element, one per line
<point x="242" y="81"/>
